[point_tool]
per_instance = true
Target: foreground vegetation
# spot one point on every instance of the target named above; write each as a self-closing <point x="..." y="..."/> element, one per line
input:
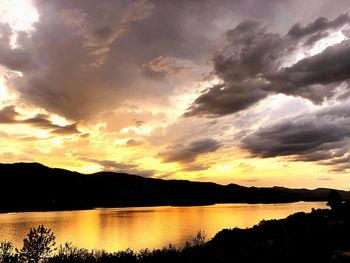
<point x="319" y="236"/>
<point x="39" y="246"/>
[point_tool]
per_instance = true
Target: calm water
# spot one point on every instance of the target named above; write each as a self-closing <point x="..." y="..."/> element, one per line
<point x="143" y="227"/>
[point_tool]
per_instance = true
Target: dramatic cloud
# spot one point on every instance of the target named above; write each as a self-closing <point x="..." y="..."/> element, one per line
<point x="186" y="153"/>
<point x="9" y="115"/>
<point x="251" y="66"/>
<point x="316" y="77"/>
<point x="83" y="58"/>
<point x="222" y="100"/>
<point x="63" y="63"/>
<point x="318" y="29"/>
<point x="250" y="53"/>
<point x="178" y="86"/>
<point x="321" y="136"/>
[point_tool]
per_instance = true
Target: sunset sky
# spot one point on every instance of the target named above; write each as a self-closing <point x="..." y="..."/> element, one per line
<point x="242" y="91"/>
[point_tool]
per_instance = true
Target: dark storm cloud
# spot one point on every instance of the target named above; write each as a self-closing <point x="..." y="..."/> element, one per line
<point x="9" y="115"/>
<point x="222" y="99"/>
<point x="250" y="53"/>
<point x="293" y="137"/>
<point x="188" y="152"/>
<point x="321" y="137"/>
<point x="254" y="55"/>
<point x="14" y="59"/>
<point x="312" y="77"/>
<point x="318" y="27"/>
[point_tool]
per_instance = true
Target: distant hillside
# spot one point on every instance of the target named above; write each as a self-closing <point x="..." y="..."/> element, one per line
<point x="32" y="186"/>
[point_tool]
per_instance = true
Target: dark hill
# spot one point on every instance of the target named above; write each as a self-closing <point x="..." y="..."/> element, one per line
<point x="32" y="186"/>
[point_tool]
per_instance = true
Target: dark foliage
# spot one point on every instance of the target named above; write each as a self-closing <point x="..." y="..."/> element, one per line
<point x="334" y="200"/>
<point x="38" y="246"/>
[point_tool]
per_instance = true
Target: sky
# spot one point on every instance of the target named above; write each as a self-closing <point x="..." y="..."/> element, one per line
<point x="230" y="91"/>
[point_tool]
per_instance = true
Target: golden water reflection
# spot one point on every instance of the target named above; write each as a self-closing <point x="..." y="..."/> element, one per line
<point x="115" y="229"/>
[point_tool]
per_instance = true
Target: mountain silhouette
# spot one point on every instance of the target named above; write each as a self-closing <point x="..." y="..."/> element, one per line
<point x="32" y="186"/>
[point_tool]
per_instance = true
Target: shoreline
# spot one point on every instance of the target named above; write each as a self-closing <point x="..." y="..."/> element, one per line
<point x="317" y="236"/>
<point x="150" y="206"/>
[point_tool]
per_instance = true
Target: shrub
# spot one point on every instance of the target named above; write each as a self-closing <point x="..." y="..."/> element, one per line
<point x="67" y="251"/>
<point x="197" y="241"/>
<point x="38" y="246"/>
<point x="6" y="252"/>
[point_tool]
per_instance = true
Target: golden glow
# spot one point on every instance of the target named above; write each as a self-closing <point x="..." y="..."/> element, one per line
<point x="5" y="95"/>
<point x="58" y="120"/>
<point x="227" y="165"/>
<point x="106" y="138"/>
<point x="3" y="91"/>
<point x="122" y="228"/>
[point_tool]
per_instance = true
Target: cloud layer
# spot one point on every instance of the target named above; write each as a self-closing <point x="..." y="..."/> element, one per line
<point x="188" y="152"/>
<point x="135" y="80"/>
<point x="321" y="136"/>
<point x="83" y="58"/>
<point x="252" y="66"/>
<point x="9" y="115"/>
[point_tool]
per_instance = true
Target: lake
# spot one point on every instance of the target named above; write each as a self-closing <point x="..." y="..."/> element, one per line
<point x="115" y="229"/>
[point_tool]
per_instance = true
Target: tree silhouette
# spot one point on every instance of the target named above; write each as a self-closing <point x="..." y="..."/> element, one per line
<point x="38" y="245"/>
<point x="334" y="200"/>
